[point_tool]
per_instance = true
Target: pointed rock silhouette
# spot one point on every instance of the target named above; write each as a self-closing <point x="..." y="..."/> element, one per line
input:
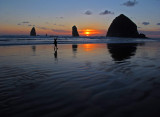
<point x="75" y="32"/>
<point x="122" y="26"/>
<point x="33" y="32"/>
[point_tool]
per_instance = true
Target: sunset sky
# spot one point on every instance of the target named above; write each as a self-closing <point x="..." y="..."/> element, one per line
<point x="92" y="17"/>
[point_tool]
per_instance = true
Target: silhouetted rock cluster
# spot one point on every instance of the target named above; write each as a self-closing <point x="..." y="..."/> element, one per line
<point x="122" y="26"/>
<point x="33" y="32"/>
<point x="75" y="32"/>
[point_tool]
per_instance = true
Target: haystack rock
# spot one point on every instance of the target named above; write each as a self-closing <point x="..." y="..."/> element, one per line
<point x="75" y="32"/>
<point x="122" y="26"/>
<point x="33" y="32"/>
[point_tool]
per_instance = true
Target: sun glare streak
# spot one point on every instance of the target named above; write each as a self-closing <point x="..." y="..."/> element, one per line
<point x="91" y="47"/>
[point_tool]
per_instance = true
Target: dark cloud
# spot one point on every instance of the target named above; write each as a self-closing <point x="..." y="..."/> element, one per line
<point x="19" y="24"/>
<point x="88" y="12"/>
<point x="158" y="23"/>
<point x="25" y="22"/>
<point x="145" y="23"/>
<point x="106" y="12"/>
<point x="130" y="3"/>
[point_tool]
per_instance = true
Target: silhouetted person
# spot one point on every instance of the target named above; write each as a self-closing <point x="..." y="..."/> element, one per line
<point x="55" y="44"/>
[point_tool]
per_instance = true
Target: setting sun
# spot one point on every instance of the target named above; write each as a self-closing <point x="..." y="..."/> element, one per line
<point x="89" y="32"/>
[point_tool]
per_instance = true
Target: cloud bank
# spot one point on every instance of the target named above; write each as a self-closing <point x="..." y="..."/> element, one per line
<point x="145" y="23"/>
<point x="151" y="33"/>
<point x="25" y="22"/>
<point x="55" y="30"/>
<point x="59" y="25"/>
<point x="43" y="28"/>
<point x="59" y="17"/>
<point x="60" y="31"/>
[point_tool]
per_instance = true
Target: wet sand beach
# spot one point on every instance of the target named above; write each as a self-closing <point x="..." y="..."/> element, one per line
<point x="80" y="80"/>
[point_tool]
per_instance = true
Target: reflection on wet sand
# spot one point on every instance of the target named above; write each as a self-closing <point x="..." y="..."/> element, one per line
<point x="122" y="51"/>
<point x="74" y="49"/>
<point x="90" y="85"/>
<point x="34" y="48"/>
<point x="55" y="55"/>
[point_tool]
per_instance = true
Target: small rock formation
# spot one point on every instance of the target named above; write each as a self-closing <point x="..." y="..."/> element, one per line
<point x="141" y="35"/>
<point x="75" y="32"/>
<point x="33" y="32"/>
<point x="122" y="26"/>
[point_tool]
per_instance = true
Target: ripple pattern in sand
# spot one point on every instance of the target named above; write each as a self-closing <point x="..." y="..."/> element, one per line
<point x="85" y="88"/>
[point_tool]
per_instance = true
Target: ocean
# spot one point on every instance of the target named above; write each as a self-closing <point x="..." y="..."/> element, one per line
<point x="84" y="77"/>
<point x="27" y="40"/>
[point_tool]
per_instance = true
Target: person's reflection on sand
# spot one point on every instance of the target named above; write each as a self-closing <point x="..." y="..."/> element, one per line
<point x="74" y="49"/>
<point x="33" y="48"/>
<point x="122" y="51"/>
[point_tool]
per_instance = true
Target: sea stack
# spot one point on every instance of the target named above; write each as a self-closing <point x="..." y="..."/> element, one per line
<point x="122" y="26"/>
<point x="75" y="32"/>
<point x="33" y="32"/>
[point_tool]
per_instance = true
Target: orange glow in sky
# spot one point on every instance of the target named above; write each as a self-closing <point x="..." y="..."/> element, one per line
<point x="89" y="32"/>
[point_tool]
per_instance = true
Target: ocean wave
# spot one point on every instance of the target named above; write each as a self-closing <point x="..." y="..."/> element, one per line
<point x="27" y="40"/>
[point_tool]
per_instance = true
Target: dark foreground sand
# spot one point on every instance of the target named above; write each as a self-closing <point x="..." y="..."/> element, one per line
<point x="85" y="80"/>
